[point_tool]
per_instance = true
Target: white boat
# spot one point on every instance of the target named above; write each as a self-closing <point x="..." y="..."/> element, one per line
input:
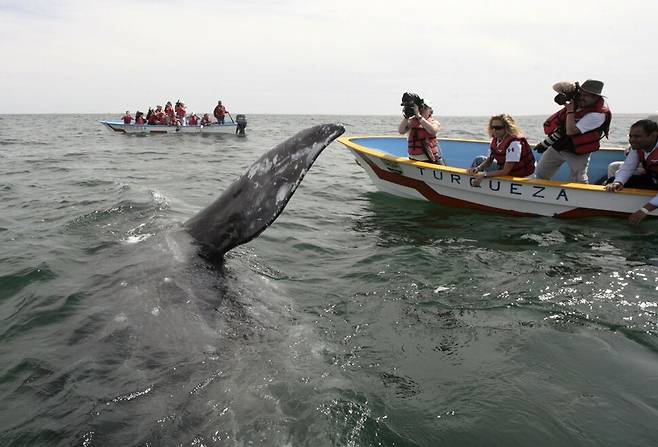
<point x="384" y="158"/>
<point x="226" y="128"/>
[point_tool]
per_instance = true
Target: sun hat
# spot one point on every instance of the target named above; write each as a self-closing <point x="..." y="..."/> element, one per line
<point x="592" y="86"/>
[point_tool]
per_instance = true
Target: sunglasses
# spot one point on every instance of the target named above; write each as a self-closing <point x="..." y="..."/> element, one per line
<point x="496" y="127"/>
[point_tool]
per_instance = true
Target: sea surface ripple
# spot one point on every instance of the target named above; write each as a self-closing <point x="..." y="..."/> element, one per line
<point x="357" y="319"/>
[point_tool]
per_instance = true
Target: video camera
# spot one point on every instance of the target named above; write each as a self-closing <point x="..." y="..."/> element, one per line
<point x="566" y="94"/>
<point x="408" y="102"/>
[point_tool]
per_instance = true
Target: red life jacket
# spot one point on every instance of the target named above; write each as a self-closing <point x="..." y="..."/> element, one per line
<point x="421" y="141"/>
<point x="180" y="112"/>
<point x="127" y="119"/>
<point x="192" y="121"/>
<point x="153" y="119"/>
<point x="650" y="163"/>
<point x="139" y="120"/>
<point x="583" y="143"/>
<point x="219" y="112"/>
<point x="526" y="164"/>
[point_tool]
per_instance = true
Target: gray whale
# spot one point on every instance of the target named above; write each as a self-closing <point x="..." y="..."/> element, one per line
<point x="252" y="202"/>
<point x="172" y="345"/>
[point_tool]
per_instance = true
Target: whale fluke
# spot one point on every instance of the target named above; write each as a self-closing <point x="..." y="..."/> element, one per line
<point x="253" y="201"/>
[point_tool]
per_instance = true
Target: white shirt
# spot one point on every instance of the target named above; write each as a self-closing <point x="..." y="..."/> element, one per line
<point x="590" y="121"/>
<point x="513" y="152"/>
<point x="628" y="169"/>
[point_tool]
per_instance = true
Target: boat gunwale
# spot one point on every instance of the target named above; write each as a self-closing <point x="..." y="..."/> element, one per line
<point x="347" y="141"/>
<point x="162" y="126"/>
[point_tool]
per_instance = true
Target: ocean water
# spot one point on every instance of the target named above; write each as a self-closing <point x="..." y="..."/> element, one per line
<point x="356" y="319"/>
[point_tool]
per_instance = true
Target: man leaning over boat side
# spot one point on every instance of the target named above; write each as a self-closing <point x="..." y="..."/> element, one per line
<point x="614" y="166"/>
<point x="422" y="143"/>
<point x="643" y="138"/>
<point x="575" y="131"/>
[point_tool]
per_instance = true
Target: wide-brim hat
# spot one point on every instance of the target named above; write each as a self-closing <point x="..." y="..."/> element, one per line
<point x="592" y="86"/>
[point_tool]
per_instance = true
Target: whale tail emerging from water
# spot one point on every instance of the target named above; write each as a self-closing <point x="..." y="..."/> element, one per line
<point x="252" y="202"/>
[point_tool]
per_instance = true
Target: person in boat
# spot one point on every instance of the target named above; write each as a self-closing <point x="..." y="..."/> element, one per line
<point x="169" y="109"/>
<point x="206" y="121"/>
<point x="614" y="166"/>
<point x="153" y="119"/>
<point x="193" y="120"/>
<point x="643" y="139"/>
<point x="422" y="144"/>
<point x="139" y="118"/>
<point x="575" y="131"/>
<point x="180" y="111"/>
<point x="509" y="151"/>
<point x="160" y="116"/>
<point x="220" y="112"/>
<point x="127" y="118"/>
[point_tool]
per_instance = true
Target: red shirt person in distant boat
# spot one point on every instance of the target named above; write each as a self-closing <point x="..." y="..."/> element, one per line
<point x="169" y="110"/>
<point x="127" y="118"/>
<point x="206" y="121"/>
<point x="153" y="119"/>
<point x="160" y="117"/>
<point x="139" y="119"/>
<point x="180" y="111"/>
<point x="421" y="142"/>
<point x="643" y="138"/>
<point x="508" y="149"/>
<point x="574" y="131"/>
<point x="220" y="112"/>
<point x="192" y="120"/>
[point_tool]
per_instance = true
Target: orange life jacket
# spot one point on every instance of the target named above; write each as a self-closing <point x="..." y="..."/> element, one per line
<point x="421" y="141"/>
<point x="583" y="143"/>
<point x="219" y="112"/>
<point x="650" y="163"/>
<point x="526" y="164"/>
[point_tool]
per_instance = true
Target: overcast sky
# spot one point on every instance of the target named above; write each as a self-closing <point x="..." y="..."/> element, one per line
<point x="465" y="57"/>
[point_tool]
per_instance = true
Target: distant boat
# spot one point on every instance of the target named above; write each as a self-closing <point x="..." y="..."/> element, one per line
<point x="236" y="128"/>
<point x="384" y="158"/>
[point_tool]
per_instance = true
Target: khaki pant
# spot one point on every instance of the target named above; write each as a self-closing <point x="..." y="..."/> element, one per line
<point x="423" y="157"/>
<point x="551" y="160"/>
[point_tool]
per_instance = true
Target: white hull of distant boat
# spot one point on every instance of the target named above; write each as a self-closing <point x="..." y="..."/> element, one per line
<point x="452" y="186"/>
<point x="119" y="126"/>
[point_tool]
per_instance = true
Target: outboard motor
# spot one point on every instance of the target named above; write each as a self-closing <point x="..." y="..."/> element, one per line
<point x="241" y="121"/>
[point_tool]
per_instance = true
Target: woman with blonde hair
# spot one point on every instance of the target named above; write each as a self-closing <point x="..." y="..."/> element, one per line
<point x="509" y="149"/>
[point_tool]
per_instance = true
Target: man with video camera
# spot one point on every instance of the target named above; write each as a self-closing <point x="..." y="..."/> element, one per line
<point x="574" y="131"/>
<point x="417" y="120"/>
